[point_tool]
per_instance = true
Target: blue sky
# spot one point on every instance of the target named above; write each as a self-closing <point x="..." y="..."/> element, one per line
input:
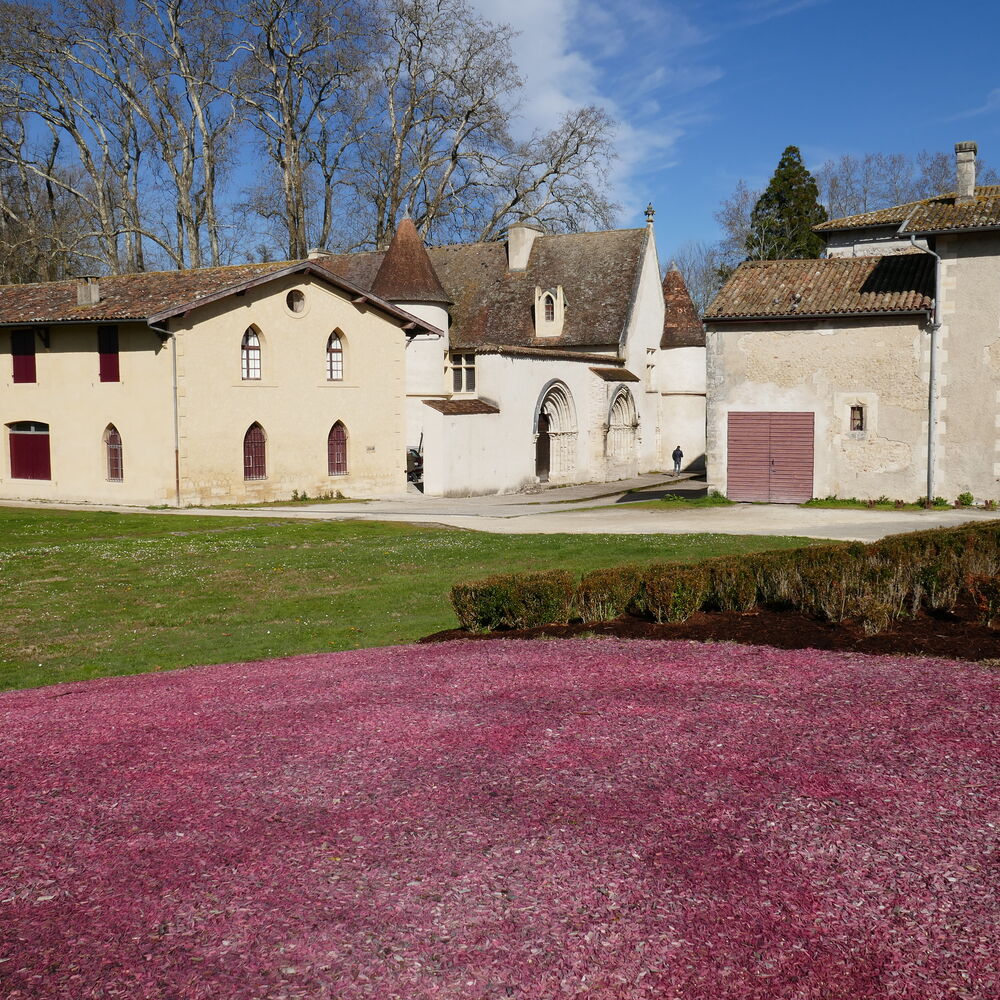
<point x="709" y="91"/>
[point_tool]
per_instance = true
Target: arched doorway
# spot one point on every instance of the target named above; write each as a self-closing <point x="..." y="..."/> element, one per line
<point x="623" y="425"/>
<point x="555" y="434"/>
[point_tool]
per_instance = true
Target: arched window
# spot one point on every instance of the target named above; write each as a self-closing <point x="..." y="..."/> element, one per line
<point x="622" y="427"/>
<point x="254" y="460"/>
<point x="550" y="309"/>
<point x="250" y="354"/>
<point x="334" y="358"/>
<point x="336" y="450"/>
<point x="113" y="448"/>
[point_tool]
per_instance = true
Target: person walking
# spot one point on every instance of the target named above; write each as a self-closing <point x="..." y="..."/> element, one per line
<point x="678" y="457"/>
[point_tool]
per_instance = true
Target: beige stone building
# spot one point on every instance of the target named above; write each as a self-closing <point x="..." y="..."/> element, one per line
<point x="542" y="358"/>
<point x="184" y="387"/>
<point x="873" y="372"/>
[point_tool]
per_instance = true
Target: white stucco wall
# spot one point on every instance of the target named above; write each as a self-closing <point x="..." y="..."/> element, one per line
<point x="495" y="453"/>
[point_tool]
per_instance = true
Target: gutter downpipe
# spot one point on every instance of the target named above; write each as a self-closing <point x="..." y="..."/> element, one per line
<point x="932" y="401"/>
<point x="177" y="429"/>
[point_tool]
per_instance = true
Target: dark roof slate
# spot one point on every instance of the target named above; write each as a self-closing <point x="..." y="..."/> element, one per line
<point x="406" y="273"/>
<point x="838" y="286"/>
<point x="461" y="407"/>
<point x="492" y="305"/>
<point x="682" y="326"/>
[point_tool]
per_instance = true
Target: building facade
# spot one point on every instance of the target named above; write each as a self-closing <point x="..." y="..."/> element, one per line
<point x="874" y="372"/>
<point x="539" y="359"/>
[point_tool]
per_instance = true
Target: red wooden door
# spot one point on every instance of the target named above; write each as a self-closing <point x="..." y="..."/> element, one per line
<point x="770" y="457"/>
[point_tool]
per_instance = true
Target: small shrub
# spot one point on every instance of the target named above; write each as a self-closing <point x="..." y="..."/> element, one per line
<point x="985" y="592"/>
<point x="673" y="592"/>
<point x="732" y="584"/>
<point x="899" y="504"/>
<point x="606" y="594"/>
<point x="990" y="504"/>
<point x="965" y="500"/>
<point x="514" y="600"/>
<point x="876" y="614"/>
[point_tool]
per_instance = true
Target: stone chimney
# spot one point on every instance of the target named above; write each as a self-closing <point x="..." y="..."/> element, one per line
<point x="520" y="237"/>
<point x="965" y="171"/>
<point x="88" y="290"/>
<point x="315" y="253"/>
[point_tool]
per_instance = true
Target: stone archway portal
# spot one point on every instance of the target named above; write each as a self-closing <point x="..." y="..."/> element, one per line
<point x="555" y="435"/>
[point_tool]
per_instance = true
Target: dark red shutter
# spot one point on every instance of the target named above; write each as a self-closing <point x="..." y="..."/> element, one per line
<point x="29" y="455"/>
<point x="107" y="344"/>
<point x="770" y="457"/>
<point x="22" y="347"/>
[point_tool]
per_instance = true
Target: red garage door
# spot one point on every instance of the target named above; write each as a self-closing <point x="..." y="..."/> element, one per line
<point x="770" y="457"/>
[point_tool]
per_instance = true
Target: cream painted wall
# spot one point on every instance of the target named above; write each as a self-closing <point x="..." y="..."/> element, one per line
<point x="78" y="407"/>
<point x="293" y="401"/>
<point x="819" y="369"/>
<point x="968" y="452"/>
<point x="426" y="362"/>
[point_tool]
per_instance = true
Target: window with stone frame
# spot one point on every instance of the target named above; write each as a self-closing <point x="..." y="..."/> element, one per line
<point x="463" y="373"/>
<point x="857" y="418"/>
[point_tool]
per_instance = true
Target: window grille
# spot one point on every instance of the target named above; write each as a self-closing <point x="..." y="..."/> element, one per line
<point x="250" y="355"/>
<point x="550" y="309"/>
<point x="336" y="450"/>
<point x="254" y="460"/>
<point x="857" y="418"/>
<point x="113" y="444"/>
<point x="334" y="359"/>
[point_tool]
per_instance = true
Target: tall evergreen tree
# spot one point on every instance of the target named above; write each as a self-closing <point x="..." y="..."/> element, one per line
<point x="782" y="220"/>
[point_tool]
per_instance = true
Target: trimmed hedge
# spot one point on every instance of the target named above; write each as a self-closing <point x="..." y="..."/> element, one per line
<point x="872" y="584"/>
<point x="673" y="592"/>
<point x="514" y="600"/>
<point x="606" y="594"/>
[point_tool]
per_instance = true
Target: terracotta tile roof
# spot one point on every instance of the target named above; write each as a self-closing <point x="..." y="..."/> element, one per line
<point x="838" y="286"/>
<point x="491" y="305"/>
<point x="124" y="297"/>
<point x="406" y="273"/>
<point x="937" y="214"/>
<point x="681" y="324"/>
<point x="156" y="296"/>
<point x="615" y="374"/>
<point x="461" y="407"/>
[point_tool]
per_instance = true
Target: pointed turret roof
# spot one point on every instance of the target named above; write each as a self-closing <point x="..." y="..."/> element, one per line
<point x="406" y="273"/>
<point x="681" y="324"/>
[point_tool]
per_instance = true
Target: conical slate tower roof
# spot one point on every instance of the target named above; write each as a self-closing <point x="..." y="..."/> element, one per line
<point x="681" y="324"/>
<point x="406" y="273"/>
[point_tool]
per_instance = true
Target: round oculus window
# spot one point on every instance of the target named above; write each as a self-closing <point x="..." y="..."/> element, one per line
<point x="295" y="300"/>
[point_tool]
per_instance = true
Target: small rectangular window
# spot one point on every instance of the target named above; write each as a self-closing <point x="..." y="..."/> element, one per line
<point x="463" y="373"/>
<point x="22" y="348"/>
<point x="107" y="345"/>
<point x="857" y="418"/>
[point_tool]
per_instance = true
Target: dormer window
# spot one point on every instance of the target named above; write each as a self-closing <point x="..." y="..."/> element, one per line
<point x="550" y="311"/>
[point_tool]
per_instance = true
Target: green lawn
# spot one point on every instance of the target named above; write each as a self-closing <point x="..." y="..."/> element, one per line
<point x="95" y="594"/>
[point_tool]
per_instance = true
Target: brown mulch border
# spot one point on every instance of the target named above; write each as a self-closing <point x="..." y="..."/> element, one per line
<point x="956" y="635"/>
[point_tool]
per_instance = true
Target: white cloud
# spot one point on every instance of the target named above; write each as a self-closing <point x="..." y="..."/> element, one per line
<point x="636" y="61"/>
<point x="992" y="103"/>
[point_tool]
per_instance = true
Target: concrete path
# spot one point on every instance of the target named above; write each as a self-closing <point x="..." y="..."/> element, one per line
<point x="592" y="509"/>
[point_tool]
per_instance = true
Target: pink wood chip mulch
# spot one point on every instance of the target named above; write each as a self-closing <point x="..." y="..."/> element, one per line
<point x="506" y="819"/>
